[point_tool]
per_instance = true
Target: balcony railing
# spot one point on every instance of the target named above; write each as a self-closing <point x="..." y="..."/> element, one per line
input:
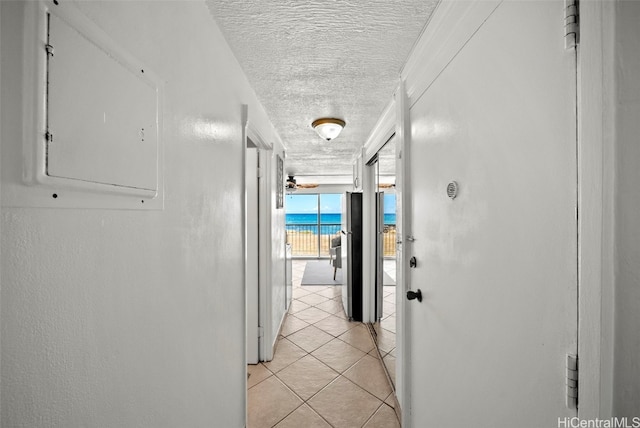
<point x="306" y="242"/>
<point x="389" y="240"/>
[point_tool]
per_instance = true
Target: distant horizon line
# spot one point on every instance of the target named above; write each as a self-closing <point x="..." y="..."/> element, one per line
<point x="315" y="213"/>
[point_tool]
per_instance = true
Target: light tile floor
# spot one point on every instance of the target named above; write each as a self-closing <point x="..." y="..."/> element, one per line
<point x="325" y="371"/>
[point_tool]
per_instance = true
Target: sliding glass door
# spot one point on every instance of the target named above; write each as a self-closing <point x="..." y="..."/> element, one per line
<point x="311" y="221"/>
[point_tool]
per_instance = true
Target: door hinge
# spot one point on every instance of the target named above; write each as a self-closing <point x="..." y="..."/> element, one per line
<point x="259" y="173"/>
<point x="260" y="332"/>
<point x="49" y="49"/>
<point x="571" y="24"/>
<point x="49" y="137"/>
<point x="572" y="381"/>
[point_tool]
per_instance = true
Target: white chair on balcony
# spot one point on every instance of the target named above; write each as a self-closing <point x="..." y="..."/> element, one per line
<point x="335" y="255"/>
<point x="337" y="262"/>
<point x="335" y="243"/>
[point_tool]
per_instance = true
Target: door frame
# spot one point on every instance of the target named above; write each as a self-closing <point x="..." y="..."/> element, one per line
<point x="250" y="132"/>
<point x="394" y="122"/>
<point x="388" y="126"/>
<point x="381" y="134"/>
<point x="596" y="172"/>
<point x="252" y="252"/>
<point x="403" y="230"/>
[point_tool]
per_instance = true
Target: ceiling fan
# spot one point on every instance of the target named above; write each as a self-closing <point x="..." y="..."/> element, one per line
<point x="292" y="185"/>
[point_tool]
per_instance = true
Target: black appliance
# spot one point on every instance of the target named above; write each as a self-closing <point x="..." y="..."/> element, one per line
<point x="352" y="257"/>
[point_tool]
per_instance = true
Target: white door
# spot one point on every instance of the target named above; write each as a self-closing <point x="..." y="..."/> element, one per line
<point x="497" y="264"/>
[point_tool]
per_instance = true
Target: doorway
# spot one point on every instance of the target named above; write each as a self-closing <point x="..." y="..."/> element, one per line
<point x="252" y="245"/>
<point x="384" y="327"/>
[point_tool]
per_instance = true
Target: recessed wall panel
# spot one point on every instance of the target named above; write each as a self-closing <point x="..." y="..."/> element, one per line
<point x="102" y="112"/>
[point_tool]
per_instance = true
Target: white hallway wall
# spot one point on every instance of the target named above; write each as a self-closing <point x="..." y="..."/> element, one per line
<point x="135" y="318"/>
<point x="626" y="389"/>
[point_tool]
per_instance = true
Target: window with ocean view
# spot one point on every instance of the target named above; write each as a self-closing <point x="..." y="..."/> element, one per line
<point x="389" y="230"/>
<point x="311" y="221"/>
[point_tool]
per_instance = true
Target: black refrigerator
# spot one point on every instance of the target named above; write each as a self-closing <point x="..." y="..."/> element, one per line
<point x="352" y="257"/>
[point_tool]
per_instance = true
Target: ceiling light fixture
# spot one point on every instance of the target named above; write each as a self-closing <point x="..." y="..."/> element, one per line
<point x="328" y="128"/>
<point x="291" y="183"/>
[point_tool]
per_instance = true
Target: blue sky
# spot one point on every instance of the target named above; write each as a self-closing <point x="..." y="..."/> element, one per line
<point x="329" y="203"/>
<point x="389" y="203"/>
<point x="301" y="204"/>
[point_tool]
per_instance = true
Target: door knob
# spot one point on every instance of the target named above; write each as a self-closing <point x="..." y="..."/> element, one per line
<point x="412" y="295"/>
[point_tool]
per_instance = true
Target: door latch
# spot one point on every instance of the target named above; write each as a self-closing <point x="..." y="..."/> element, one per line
<point x="413" y="262"/>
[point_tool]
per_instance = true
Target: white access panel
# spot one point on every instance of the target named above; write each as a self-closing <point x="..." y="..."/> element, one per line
<point x="102" y="113"/>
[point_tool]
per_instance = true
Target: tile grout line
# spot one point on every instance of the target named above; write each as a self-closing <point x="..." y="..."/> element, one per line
<point x="340" y="375"/>
<point x="333" y="336"/>
<point x="293" y="392"/>
<point x="356" y="385"/>
<point x="396" y="406"/>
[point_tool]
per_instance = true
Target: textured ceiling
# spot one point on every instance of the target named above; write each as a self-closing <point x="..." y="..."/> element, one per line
<point x="316" y="58"/>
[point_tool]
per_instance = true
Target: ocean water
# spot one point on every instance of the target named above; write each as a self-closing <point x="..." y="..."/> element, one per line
<point x="329" y="223"/>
